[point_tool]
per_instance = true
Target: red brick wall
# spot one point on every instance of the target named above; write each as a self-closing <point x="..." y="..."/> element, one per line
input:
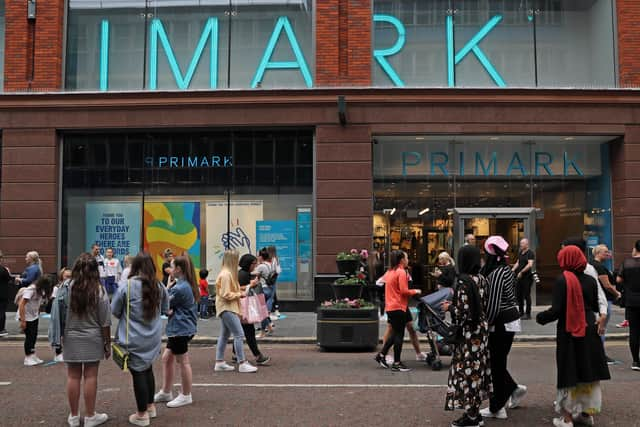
<point x="343" y="43"/>
<point x="344" y="209"/>
<point x="25" y="70"/>
<point x="625" y="164"/>
<point x="29" y="196"/>
<point x="629" y="42"/>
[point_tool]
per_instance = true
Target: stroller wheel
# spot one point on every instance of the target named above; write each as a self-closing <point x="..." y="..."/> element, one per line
<point x="437" y="365"/>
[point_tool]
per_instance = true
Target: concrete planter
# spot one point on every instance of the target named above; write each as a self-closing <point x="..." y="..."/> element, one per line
<point x="356" y="329"/>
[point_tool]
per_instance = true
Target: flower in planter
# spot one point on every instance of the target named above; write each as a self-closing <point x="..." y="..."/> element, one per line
<point x="346" y="303"/>
<point x="364" y="254"/>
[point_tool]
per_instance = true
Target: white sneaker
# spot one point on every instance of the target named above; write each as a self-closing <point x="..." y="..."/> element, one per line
<point x="142" y="422"/>
<point x="96" y="420"/>
<point x="73" y="421"/>
<point x="277" y="313"/>
<point x="58" y="358"/>
<point x="516" y="397"/>
<point x="247" y="367"/>
<point x="274" y="317"/>
<point x="500" y="415"/>
<point x="31" y="361"/>
<point x="389" y="359"/>
<point x="560" y="422"/>
<point x="181" y="400"/>
<point x="153" y="413"/>
<point x="421" y="357"/>
<point x="37" y="359"/>
<point x="223" y="366"/>
<point x="161" y="396"/>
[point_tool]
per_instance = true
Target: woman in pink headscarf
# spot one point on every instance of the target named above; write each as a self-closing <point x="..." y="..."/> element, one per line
<point x="580" y="358"/>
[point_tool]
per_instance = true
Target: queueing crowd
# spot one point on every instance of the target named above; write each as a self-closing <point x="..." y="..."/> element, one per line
<point x="85" y="299"/>
<point x="486" y="310"/>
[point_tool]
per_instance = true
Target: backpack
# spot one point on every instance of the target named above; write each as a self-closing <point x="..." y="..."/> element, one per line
<point x="272" y="277"/>
<point x="18" y="299"/>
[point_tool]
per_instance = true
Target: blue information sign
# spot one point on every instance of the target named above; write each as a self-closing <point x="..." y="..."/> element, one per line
<point x="282" y="235"/>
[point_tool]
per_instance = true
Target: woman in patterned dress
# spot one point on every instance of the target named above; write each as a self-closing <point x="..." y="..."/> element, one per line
<point x="470" y="374"/>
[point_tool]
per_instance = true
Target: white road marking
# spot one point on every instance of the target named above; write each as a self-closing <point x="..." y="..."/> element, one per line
<point x="229" y="385"/>
<point x="5" y="383"/>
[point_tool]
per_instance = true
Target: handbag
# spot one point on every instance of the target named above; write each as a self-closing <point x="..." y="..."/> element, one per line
<point x="253" y="309"/>
<point x="121" y="355"/>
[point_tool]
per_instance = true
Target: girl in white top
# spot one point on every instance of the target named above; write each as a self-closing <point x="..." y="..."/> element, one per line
<point x="29" y="312"/>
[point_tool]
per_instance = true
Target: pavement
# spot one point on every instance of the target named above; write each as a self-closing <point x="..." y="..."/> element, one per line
<point x="306" y="387"/>
<point x="300" y="328"/>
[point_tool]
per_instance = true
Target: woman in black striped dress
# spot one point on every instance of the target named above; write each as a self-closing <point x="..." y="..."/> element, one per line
<point x="503" y="317"/>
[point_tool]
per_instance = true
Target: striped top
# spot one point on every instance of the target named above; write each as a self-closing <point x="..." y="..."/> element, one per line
<point x="502" y="293"/>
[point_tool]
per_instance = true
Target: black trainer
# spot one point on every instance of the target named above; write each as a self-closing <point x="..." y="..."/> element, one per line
<point x="382" y="360"/>
<point x="400" y="367"/>
<point x="466" y="421"/>
<point x="635" y="366"/>
<point x="262" y="360"/>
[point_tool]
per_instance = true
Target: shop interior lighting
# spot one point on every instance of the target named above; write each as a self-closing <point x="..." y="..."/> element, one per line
<point x="423" y="211"/>
<point x="569" y="138"/>
<point x="393" y="211"/>
<point x="419" y="138"/>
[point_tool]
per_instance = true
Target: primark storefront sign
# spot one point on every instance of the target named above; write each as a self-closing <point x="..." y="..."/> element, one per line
<point x="211" y="44"/>
<point x="393" y="158"/>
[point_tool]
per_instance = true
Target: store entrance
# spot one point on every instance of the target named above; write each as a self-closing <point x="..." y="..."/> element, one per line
<point x="514" y="224"/>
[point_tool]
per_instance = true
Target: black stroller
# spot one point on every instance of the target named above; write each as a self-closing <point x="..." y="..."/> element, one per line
<point x="431" y="321"/>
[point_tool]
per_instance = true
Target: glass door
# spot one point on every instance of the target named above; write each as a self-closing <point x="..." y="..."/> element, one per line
<point x="514" y="224"/>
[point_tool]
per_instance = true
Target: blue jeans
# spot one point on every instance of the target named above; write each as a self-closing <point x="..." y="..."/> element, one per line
<point x="268" y="292"/>
<point x="230" y="325"/>
<point x="204" y="307"/>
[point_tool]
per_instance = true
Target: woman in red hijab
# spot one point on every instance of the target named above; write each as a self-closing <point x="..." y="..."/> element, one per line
<point x="580" y="358"/>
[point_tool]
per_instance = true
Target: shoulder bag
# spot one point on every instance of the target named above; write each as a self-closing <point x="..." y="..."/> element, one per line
<point x="121" y="355"/>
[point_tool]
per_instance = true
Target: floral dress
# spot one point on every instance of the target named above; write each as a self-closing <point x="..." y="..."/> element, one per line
<point x="470" y="374"/>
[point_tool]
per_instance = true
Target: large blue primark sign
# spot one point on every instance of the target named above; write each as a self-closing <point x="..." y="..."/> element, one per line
<point x="453" y="58"/>
<point x="209" y="38"/>
<point x="283" y="33"/>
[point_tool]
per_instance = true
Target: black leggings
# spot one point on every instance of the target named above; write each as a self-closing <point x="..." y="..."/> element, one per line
<point x="144" y="385"/>
<point x="633" y="316"/>
<point x="398" y="321"/>
<point x="500" y="342"/>
<point x="250" y="336"/>
<point x="30" y="336"/>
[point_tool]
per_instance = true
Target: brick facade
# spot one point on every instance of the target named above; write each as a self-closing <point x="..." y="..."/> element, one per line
<point x="33" y="48"/>
<point x="343" y="43"/>
<point x="629" y="42"/>
<point x="29" y="194"/>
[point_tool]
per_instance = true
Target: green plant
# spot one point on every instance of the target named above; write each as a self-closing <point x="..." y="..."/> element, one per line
<point x="346" y="256"/>
<point x="350" y="281"/>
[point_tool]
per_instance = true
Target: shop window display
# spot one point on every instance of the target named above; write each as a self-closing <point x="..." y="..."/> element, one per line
<point x="196" y="192"/>
<point x="431" y="191"/>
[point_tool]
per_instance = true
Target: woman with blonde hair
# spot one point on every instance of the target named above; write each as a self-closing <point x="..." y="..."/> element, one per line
<point x="445" y="271"/>
<point x="33" y="271"/>
<point x="228" y="294"/>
